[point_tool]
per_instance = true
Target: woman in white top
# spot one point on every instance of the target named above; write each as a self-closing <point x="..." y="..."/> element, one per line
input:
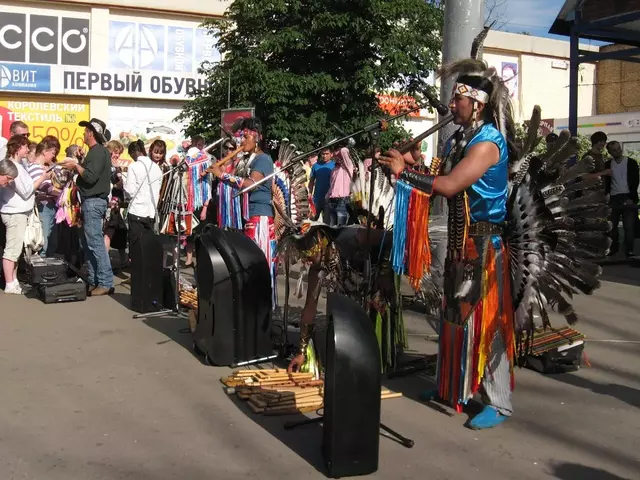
<point x="16" y="203"/>
<point x="142" y="187"/>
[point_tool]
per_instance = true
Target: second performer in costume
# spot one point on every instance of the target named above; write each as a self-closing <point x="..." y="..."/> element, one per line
<point x="259" y="225"/>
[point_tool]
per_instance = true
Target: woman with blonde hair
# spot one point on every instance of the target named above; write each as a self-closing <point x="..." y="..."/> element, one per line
<point x="16" y="204"/>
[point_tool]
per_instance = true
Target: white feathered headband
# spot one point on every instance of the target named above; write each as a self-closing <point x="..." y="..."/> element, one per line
<point x="475" y="79"/>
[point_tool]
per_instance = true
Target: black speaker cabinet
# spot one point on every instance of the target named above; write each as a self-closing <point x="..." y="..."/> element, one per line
<point x="234" y="298"/>
<point x="146" y="273"/>
<point x="350" y="443"/>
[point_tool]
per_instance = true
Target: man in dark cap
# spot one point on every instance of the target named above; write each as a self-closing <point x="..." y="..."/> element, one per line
<point x="94" y="185"/>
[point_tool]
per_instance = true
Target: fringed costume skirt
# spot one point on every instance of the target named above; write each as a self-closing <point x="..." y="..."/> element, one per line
<point x="262" y="231"/>
<point x="477" y="306"/>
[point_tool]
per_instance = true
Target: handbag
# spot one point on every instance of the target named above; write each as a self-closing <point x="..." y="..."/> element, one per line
<point x="34" y="234"/>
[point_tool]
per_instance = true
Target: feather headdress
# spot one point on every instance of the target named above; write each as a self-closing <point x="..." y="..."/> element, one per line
<point x="498" y="107"/>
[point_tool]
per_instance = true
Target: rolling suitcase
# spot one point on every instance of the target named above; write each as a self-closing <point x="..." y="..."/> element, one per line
<point x="70" y="290"/>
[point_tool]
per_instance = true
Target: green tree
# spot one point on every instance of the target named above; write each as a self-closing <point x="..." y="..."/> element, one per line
<point x="584" y="143"/>
<point x="306" y="64"/>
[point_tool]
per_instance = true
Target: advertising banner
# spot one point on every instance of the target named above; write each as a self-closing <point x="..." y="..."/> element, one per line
<point x="231" y="115"/>
<point x="546" y="127"/>
<point x="396" y="104"/>
<point x="84" y="81"/>
<point x="147" y="46"/>
<point x="129" y="131"/>
<point x="48" y="39"/>
<point x="57" y="117"/>
<point x="20" y="77"/>
<point x="125" y="83"/>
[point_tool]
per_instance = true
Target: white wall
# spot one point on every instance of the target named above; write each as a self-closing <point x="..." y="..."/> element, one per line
<point x="193" y="7"/>
<point x="543" y="73"/>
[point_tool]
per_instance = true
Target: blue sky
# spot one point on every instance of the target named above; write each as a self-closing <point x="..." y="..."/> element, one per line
<point x="532" y="16"/>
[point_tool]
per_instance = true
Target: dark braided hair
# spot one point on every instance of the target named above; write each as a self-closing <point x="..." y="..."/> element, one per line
<point x="136" y="149"/>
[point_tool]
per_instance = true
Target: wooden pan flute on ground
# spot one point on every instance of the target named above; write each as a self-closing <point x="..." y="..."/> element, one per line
<point x="276" y="392"/>
<point x="189" y="299"/>
<point x="545" y="340"/>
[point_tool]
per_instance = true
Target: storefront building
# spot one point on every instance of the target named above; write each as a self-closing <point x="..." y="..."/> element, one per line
<point x="63" y="62"/>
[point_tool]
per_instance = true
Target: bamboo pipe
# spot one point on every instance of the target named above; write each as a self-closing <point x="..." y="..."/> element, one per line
<point x="410" y="145"/>
<point x="222" y="162"/>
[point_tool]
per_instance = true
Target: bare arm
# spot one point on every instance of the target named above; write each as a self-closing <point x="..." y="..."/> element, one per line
<point x="312" y="185"/>
<point x="478" y="160"/>
<point x="472" y="167"/>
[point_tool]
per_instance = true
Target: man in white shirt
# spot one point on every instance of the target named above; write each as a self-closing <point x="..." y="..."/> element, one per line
<point x="622" y="186"/>
<point x="142" y="186"/>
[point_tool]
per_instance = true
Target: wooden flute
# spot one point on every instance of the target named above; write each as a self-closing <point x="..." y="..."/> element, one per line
<point x="412" y="144"/>
<point x="221" y="163"/>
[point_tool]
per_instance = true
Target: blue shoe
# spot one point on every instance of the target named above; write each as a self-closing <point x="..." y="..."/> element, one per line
<point x="489" y="417"/>
<point x="428" y="395"/>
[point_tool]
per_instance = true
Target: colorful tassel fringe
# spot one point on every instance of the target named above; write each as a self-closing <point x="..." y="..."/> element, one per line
<point x="410" y="252"/>
<point x="465" y="348"/>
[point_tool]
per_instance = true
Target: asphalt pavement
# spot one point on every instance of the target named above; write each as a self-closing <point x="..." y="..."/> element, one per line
<point x="91" y="393"/>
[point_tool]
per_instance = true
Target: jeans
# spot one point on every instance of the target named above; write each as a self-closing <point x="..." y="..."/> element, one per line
<point x="49" y="229"/>
<point x="628" y="213"/>
<point x="320" y="205"/>
<point x="335" y="211"/>
<point x="99" y="271"/>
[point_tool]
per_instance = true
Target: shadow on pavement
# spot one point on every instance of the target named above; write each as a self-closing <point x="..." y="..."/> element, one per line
<point x="573" y="471"/>
<point x="628" y="274"/>
<point x="305" y="440"/>
<point x="629" y="395"/>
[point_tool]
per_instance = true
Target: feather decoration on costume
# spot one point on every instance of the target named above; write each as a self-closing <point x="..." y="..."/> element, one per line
<point x="553" y="233"/>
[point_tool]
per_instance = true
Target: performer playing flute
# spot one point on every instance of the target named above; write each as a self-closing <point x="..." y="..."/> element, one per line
<point x="230" y="209"/>
<point x="259" y="225"/>
<point x="515" y="241"/>
<point x="477" y="189"/>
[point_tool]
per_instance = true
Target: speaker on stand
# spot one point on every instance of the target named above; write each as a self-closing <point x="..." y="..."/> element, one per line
<point x="234" y="300"/>
<point x="352" y="386"/>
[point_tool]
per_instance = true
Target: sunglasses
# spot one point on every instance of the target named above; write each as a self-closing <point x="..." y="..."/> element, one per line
<point x="26" y="135"/>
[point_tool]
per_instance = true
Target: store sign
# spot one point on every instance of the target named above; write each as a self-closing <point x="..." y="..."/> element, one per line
<point x="546" y="127"/>
<point x="123" y="83"/>
<point x="147" y="46"/>
<point x="47" y="39"/>
<point x="55" y="117"/>
<point x="18" y="77"/>
<point x="396" y="104"/>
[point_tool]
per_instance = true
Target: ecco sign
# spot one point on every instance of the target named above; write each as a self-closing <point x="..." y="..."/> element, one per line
<point x="44" y="39"/>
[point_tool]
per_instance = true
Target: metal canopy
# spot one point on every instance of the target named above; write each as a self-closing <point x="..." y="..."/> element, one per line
<point x="583" y="19"/>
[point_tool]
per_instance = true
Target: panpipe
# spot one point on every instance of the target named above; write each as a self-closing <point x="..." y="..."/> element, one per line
<point x="277" y="392"/>
<point x="189" y="299"/>
<point x="543" y="340"/>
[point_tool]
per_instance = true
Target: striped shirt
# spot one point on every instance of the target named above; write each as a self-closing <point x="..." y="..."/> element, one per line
<point x="44" y="193"/>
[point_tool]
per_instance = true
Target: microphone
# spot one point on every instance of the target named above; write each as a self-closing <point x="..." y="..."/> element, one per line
<point x="437" y="104"/>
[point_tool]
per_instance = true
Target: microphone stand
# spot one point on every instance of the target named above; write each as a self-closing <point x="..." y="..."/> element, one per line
<point x="377" y="126"/>
<point x="181" y="168"/>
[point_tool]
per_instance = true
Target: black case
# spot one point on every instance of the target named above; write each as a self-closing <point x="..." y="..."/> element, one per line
<point x="146" y="273"/>
<point x="47" y="271"/>
<point x="554" y="361"/>
<point x="72" y="290"/>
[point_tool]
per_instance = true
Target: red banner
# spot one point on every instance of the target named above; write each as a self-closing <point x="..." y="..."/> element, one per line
<point x="232" y="115"/>
<point x="546" y="127"/>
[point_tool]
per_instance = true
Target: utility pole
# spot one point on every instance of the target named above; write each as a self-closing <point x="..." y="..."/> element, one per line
<point x="463" y="21"/>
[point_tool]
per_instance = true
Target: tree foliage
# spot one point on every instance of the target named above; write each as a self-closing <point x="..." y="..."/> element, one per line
<point x="584" y="143"/>
<point x="306" y="64"/>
